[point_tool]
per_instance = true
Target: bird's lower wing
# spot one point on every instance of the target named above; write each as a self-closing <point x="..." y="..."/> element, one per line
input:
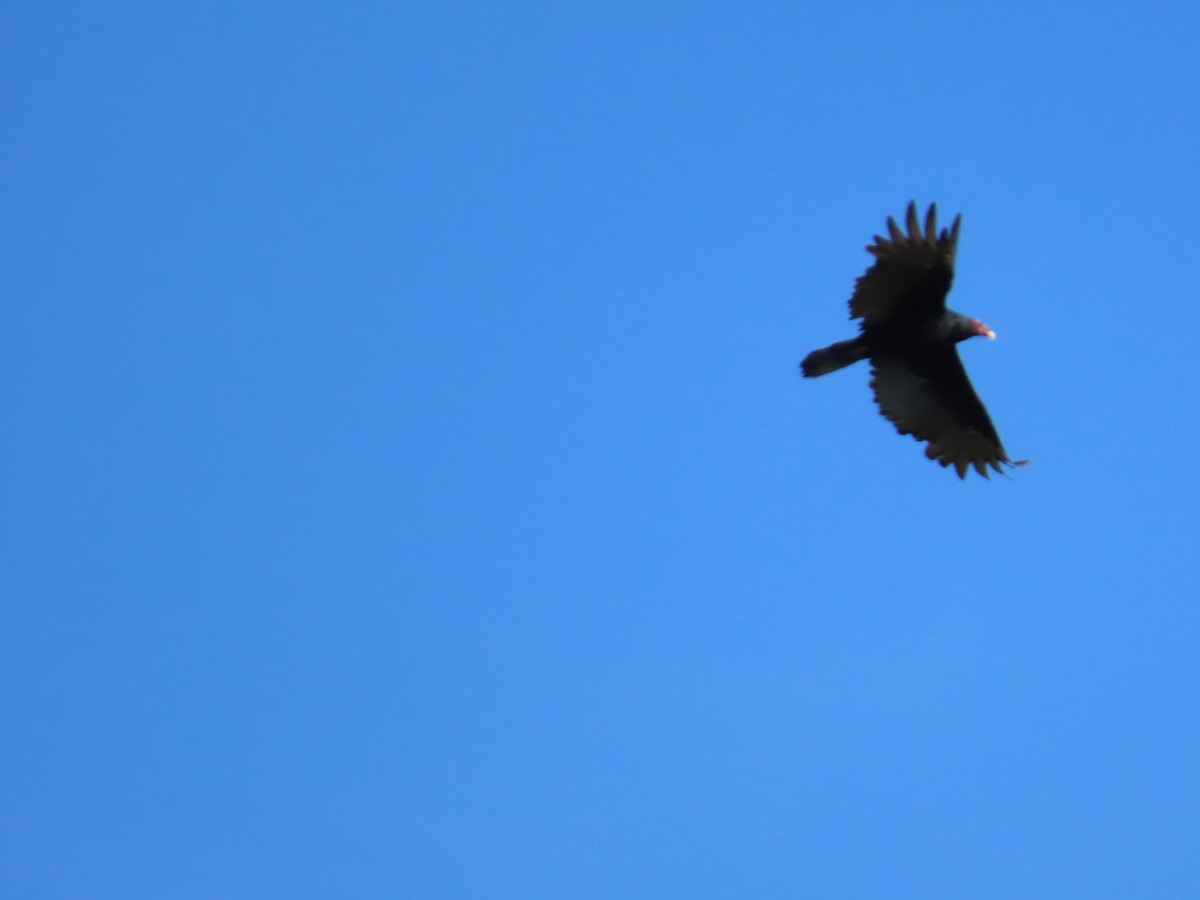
<point x="933" y="400"/>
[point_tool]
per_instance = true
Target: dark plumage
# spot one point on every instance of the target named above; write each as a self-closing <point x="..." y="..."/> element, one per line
<point x="909" y="335"/>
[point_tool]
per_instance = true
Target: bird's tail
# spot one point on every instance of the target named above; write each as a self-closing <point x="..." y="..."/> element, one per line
<point x="834" y="357"/>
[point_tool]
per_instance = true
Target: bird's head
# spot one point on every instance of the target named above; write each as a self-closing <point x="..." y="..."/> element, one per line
<point x="970" y="328"/>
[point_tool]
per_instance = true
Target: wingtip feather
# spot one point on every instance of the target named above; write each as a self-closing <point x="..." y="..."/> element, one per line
<point x="914" y="225"/>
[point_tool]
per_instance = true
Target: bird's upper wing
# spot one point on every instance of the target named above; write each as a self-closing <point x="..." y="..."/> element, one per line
<point x="930" y="397"/>
<point x="912" y="272"/>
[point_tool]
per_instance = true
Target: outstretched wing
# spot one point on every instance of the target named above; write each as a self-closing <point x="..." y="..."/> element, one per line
<point x="912" y="272"/>
<point x="931" y="398"/>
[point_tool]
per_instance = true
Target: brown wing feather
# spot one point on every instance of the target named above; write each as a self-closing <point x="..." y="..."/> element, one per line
<point x="912" y="272"/>
<point x="933" y="400"/>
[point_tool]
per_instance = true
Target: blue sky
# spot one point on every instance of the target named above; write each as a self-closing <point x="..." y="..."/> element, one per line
<point x="411" y="491"/>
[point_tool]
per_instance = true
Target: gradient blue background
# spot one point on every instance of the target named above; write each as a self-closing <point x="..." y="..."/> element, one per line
<point x="410" y="491"/>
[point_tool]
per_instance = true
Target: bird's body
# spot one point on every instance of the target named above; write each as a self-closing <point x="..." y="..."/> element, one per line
<point x="909" y="336"/>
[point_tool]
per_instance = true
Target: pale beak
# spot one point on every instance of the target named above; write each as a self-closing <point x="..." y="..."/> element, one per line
<point x="990" y="335"/>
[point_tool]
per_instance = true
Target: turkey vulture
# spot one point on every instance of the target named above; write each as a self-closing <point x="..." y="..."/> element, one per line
<point x="909" y="335"/>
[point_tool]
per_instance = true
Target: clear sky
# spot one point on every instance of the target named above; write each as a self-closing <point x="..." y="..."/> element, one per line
<point x="410" y="490"/>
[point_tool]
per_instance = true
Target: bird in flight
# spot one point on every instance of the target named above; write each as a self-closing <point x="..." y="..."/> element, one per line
<point x="909" y="336"/>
